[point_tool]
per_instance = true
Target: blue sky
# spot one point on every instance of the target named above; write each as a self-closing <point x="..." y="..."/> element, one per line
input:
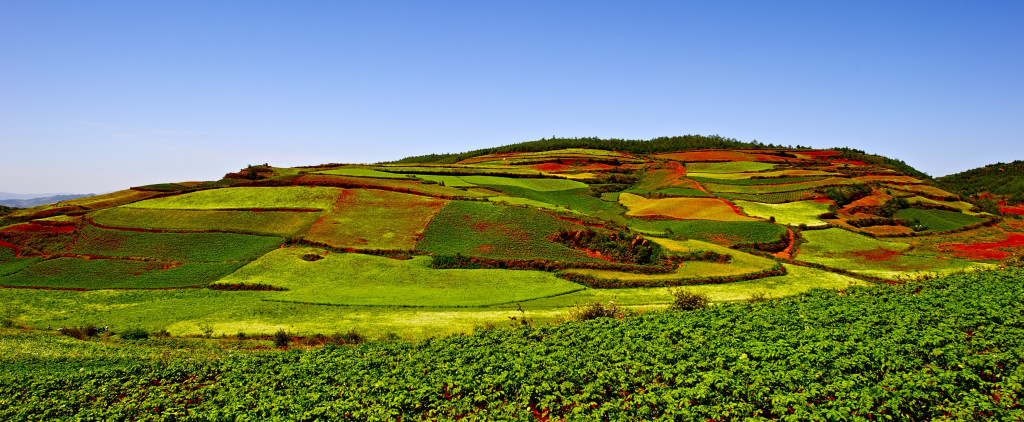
<point x="99" y="96"/>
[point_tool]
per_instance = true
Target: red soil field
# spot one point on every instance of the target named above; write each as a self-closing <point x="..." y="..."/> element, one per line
<point x="984" y="250"/>
<point x="551" y="167"/>
<point x="598" y="166"/>
<point x="819" y="153"/>
<point x="845" y="161"/>
<point x="1012" y="210"/>
<point x="39" y="228"/>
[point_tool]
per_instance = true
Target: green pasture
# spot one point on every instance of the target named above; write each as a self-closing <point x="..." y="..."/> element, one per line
<point x="718" y="232"/>
<point x="76" y="273"/>
<point x="754" y="182"/>
<point x="191" y="311"/>
<point x="578" y="200"/>
<point x="460" y="170"/>
<point x="301" y="197"/>
<point x="446" y="180"/>
<point x="770" y="198"/>
<point x="537" y="184"/>
<point x="776" y="188"/>
<point x="722" y="177"/>
<point x="277" y="223"/>
<point x="487" y="230"/>
<point x="192" y="247"/>
<point x="938" y="220"/>
<point x="365" y="280"/>
<point x="363" y="172"/>
<point x="790" y="213"/>
<point x="375" y="219"/>
<point x="728" y="167"/>
<point x="964" y="207"/>
<point x="400" y="185"/>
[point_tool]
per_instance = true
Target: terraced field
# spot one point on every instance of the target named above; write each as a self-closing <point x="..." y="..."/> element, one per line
<point x="427" y="245"/>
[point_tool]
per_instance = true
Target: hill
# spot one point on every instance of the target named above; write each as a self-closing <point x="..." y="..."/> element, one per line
<point x="1005" y="180"/>
<point x="442" y="244"/>
<point x="37" y="201"/>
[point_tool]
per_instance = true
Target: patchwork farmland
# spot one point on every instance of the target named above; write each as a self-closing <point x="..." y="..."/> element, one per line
<point x="538" y="238"/>
<point x="465" y="239"/>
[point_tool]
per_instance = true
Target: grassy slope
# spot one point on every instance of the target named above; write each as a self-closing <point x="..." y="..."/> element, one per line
<point x="791" y="213"/>
<point x="246" y="198"/>
<point x="364" y="280"/>
<point x="277" y="223"/>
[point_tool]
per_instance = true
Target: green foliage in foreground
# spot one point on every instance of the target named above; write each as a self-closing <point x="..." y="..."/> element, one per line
<point x="860" y="354"/>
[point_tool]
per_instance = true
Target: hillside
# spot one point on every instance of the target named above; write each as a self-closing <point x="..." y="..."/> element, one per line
<point x="37" y="201"/>
<point x="441" y="244"/>
<point x="1004" y="180"/>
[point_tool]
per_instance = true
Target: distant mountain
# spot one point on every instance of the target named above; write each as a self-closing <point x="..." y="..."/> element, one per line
<point x="36" y="201"/>
<point x="1006" y="180"/>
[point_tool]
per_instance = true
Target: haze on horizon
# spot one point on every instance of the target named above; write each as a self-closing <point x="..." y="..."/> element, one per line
<point x="101" y="96"/>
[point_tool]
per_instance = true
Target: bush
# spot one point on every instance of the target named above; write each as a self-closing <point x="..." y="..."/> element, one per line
<point x="82" y="333"/>
<point x="759" y="296"/>
<point x="351" y="337"/>
<point x="135" y="333"/>
<point x="685" y="300"/>
<point x="282" y="338"/>
<point x="597" y="310"/>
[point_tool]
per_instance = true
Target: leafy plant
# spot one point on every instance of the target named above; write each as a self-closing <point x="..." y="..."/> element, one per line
<point x="686" y="300"/>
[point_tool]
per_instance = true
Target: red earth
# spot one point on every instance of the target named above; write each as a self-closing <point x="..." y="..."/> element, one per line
<point x="984" y="250"/>
<point x="550" y="167"/>
<point x="39" y="228"/>
<point x="845" y="161"/>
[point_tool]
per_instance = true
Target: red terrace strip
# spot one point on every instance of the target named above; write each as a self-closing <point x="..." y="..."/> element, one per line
<point x="845" y="161"/>
<point x="572" y="220"/>
<point x="598" y="166"/>
<point x="819" y="153"/>
<point x="735" y="209"/>
<point x="550" y="166"/>
<point x="1011" y="210"/>
<point x="39" y="228"/>
<point x="985" y="250"/>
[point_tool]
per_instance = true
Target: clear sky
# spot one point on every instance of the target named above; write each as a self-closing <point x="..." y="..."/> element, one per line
<point x="98" y="96"/>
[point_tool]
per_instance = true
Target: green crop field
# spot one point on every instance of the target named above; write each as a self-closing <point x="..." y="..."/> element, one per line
<point x="681" y="208"/>
<point x="75" y="273"/>
<point x="363" y="280"/>
<point x="375" y="219"/>
<point x="193" y="247"/>
<point x="729" y="167"/>
<point x="578" y="200"/>
<point x="770" y="198"/>
<point x="453" y="181"/>
<point x="749" y="182"/>
<point x="776" y="188"/>
<point x="301" y="197"/>
<point x="743" y="176"/>
<point x="398" y="185"/>
<point x="938" y="220"/>
<point x="858" y="253"/>
<point x="718" y="232"/>
<point x="543" y="185"/>
<point x="496" y="231"/>
<point x="363" y="172"/>
<point x="9" y="264"/>
<point x="278" y="223"/>
<point x="790" y="213"/>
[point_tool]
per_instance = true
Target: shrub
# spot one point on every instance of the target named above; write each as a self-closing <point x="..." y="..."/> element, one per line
<point x="685" y="300"/>
<point x="759" y="296"/>
<point x="351" y="337"/>
<point x="163" y="333"/>
<point x="597" y="310"/>
<point x="82" y="333"/>
<point x="135" y="333"/>
<point x="389" y="336"/>
<point x="282" y="338"/>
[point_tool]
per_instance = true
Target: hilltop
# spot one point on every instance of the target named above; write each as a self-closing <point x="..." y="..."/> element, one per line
<point x="452" y="241"/>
